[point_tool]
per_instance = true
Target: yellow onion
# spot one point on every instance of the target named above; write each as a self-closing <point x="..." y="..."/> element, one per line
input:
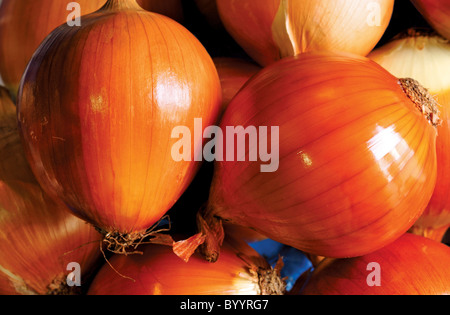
<point x="352" y="162"/>
<point x="97" y="108"/>
<point x="239" y="271"/>
<point x="271" y="29"/>
<point x="425" y="56"/>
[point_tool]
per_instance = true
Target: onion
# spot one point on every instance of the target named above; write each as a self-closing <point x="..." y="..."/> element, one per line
<point x="239" y="271"/>
<point x="348" y="158"/>
<point x="97" y="108"/>
<point x="233" y="74"/>
<point x="436" y="13"/>
<point x="425" y="57"/>
<point x="412" y="265"/>
<point x="38" y="235"/>
<point x="271" y="29"/>
<point x="24" y="25"/>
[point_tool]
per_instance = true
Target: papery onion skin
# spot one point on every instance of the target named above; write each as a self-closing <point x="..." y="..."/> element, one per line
<point x="97" y="107"/>
<point x="425" y="56"/>
<point x="357" y="160"/>
<point x="412" y="265"/>
<point x="39" y="237"/>
<point x="159" y="272"/>
<point x="24" y="25"/>
<point x="436" y="13"/>
<point x="309" y="25"/>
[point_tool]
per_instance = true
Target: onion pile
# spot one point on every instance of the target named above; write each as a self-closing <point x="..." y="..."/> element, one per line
<point x="271" y="29"/>
<point x="224" y="147"/>
<point x="38" y="235"/>
<point x="425" y="56"/>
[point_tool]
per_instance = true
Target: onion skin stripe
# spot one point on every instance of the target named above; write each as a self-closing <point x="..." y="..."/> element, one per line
<point x="362" y="228"/>
<point x="261" y="110"/>
<point x="118" y="114"/>
<point x="351" y="179"/>
<point x="380" y="179"/>
<point x="316" y="169"/>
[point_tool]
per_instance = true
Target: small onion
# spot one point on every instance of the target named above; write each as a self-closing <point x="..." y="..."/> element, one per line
<point x="353" y="163"/>
<point x="39" y="237"/>
<point x="97" y="108"/>
<point x="425" y="56"/>
<point x="436" y="13"/>
<point x="239" y="271"/>
<point x="271" y="29"/>
<point x="412" y="265"/>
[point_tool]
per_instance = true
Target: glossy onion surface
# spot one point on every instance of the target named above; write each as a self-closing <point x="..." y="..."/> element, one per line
<point x="159" y="272"/>
<point x="357" y="159"/>
<point x="426" y="57"/>
<point x="97" y="108"/>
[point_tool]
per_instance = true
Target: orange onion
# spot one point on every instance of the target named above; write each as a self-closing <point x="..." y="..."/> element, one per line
<point x="348" y="158"/>
<point x="436" y="13"/>
<point x="239" y="271"/>
<point x="425" y="56"/>
<point x="39" y="237"/>
<point x="97" y="108"/>
<point x="233" y="74"/>
<point x="412" y="265"/>
<point x="24" y="25"/>
<point x="272" y="29"/>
